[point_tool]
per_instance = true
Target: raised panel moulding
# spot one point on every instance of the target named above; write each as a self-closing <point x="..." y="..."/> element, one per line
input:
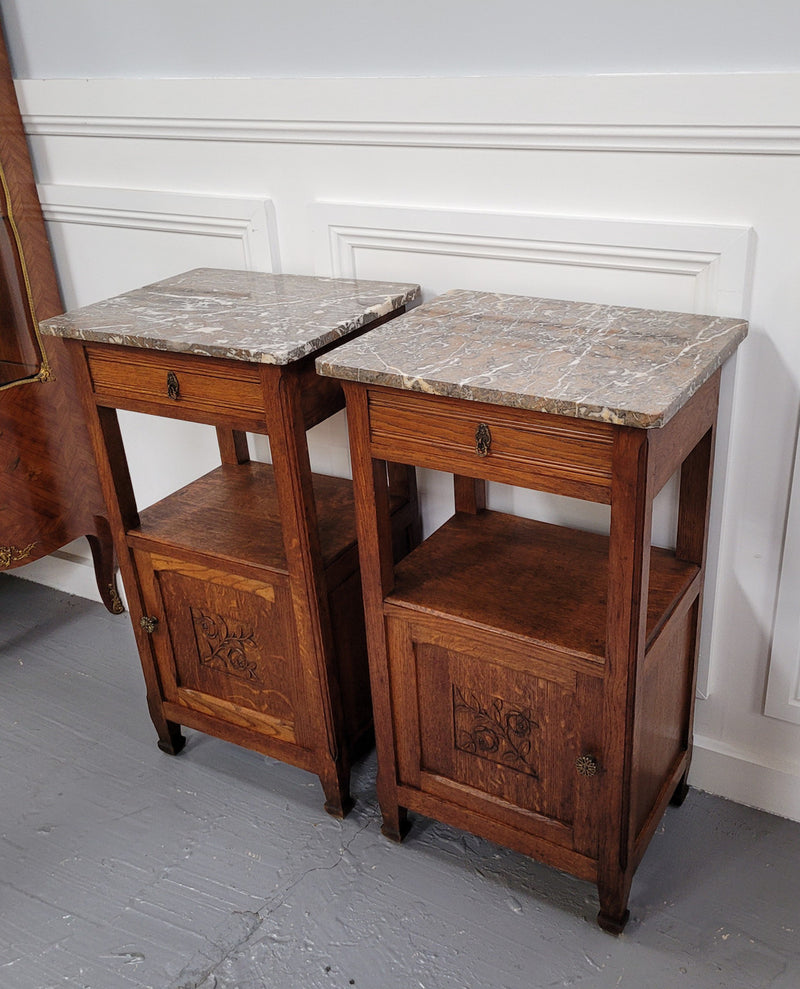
<point x="717" y="258"/>
<point x="250" y="221"/>
<point x="725" y="113"/>
<point x="686" y="139"/>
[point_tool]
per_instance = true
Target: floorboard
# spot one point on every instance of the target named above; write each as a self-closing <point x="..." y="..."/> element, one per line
<point x="218" y="869"/>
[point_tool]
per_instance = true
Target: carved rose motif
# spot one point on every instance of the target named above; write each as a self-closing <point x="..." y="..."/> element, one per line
<point x="223" y="645"/>
<point x="486" y="740"/>
<point x="518" y="723"/>
<point x="496" y="731"/>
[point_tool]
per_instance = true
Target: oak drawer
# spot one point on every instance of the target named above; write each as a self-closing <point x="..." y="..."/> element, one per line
<point x="177" y="385"/>
<point x="553" y="453"/>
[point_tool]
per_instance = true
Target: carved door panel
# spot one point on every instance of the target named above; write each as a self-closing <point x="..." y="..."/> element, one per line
<point x="225" y="645"/>
<point x="498" y="732"/>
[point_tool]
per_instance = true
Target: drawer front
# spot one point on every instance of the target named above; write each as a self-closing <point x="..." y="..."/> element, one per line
<point x="475" y="728"/>
<point x="554" y="453"/>
<point x="176" y="385"/>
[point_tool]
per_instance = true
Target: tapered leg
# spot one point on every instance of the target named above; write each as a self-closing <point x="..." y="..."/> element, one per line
<point x="614" y="913"/>
<point x="336" y="787"/>
<point x="307" y="584"/>
<point x="115" y="480"/>
<point x="628" y="581"/>
<point x="395" y="824"/>
<point x="371" y="493"/>
<point x="681" y="791"/>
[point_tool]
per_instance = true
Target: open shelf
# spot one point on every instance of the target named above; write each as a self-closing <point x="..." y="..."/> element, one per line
<point x="232" y="514"/>
<point x="530" y="579"/>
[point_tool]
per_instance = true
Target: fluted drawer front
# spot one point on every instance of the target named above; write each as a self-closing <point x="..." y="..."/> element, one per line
<point x="538" y="450"/>
<point x="177" y="385"/>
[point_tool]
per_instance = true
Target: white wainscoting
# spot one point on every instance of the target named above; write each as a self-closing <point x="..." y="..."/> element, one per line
<point x="677" y="192"/>
<point x="702" y="268"/>
<point x="115" y="239"/>
<point x="783" y="686"/>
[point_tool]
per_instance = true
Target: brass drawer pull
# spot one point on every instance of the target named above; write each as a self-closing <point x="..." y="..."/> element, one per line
<point x="173" y="386"/>
<point x="149" y="624"/>
<point x="587" y="765"/>
<point x="483" y="439"/>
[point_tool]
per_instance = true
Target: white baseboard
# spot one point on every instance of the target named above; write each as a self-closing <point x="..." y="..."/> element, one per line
<point x="741" y="776"/>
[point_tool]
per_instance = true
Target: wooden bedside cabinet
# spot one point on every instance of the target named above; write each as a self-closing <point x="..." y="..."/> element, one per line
<point x="243" y="586"/>
<point x="534" y="683"/>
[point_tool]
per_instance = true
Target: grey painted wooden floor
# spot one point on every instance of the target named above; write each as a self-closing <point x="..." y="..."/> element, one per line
<point x="218" y="869"/>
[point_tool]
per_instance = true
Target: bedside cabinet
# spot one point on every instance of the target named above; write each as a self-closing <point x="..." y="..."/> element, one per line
<point x="534" y="683"/>
<point x="243" y="586"/>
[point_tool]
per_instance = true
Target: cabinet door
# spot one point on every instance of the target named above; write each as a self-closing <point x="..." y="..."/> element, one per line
<point x="225" y="645"/>
<point x="492" y="729"/>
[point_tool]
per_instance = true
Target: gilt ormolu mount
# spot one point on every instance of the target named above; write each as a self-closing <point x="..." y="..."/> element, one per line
<point x="49" y="490"/>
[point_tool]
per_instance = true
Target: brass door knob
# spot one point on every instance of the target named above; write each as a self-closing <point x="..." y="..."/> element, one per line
<point x="587" y="765"/>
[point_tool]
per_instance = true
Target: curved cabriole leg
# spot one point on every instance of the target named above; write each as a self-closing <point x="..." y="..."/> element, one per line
<point x="105" y="569"/>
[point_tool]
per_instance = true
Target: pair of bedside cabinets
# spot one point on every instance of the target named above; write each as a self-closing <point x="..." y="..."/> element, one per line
<point x="530" y="683"/>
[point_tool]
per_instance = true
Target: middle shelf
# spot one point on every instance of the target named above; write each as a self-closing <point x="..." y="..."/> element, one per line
<point x="528" y="580"/>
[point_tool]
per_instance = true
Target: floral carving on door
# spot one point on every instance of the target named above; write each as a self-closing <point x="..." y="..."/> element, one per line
<point x="223" y="645"/>
<point x="498" y="731"/>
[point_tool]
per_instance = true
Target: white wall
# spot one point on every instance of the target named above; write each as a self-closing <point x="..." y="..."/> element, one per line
<point x="260" y="38"/>
<point x="676" y="191"/>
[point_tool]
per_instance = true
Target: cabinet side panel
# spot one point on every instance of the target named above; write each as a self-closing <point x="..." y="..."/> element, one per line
<point x="662" y="716"/>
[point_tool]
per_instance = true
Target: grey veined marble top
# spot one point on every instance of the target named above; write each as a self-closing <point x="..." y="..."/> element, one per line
<point x="633" y="367"/>
<point x="242" y="315"/>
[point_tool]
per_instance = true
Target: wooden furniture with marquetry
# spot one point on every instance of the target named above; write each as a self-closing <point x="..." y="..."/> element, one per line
<point x="244" y="585"/>
<point x="49" y="489"/>
<point x="533" y="683"/>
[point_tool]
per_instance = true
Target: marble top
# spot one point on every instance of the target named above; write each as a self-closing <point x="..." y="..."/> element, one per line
<point x="631" y="367"/>
<point x="241" y="315"/>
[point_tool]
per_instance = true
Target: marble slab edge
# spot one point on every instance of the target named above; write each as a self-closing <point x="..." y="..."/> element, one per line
<point x="327" y="367"/>
<point x="332" y="365"/>
<point x="68" y="325"/>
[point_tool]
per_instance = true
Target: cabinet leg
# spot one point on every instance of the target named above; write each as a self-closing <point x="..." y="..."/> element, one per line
<point x="614" y="912"/>
<point x="395" y="823"/>
<point x="681" y="792"/>
<point x="336" y="787"/>
<point x="171" y="740"/>
<point x="102" y="547"/>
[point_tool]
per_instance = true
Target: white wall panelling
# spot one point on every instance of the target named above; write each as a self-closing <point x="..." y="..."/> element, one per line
<point x="675" y="191"/>
<point x="783" y="688"/>
<point x="680" y="114"/>
<point x="136" y="233"/>
<point x="694" y="267"/>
